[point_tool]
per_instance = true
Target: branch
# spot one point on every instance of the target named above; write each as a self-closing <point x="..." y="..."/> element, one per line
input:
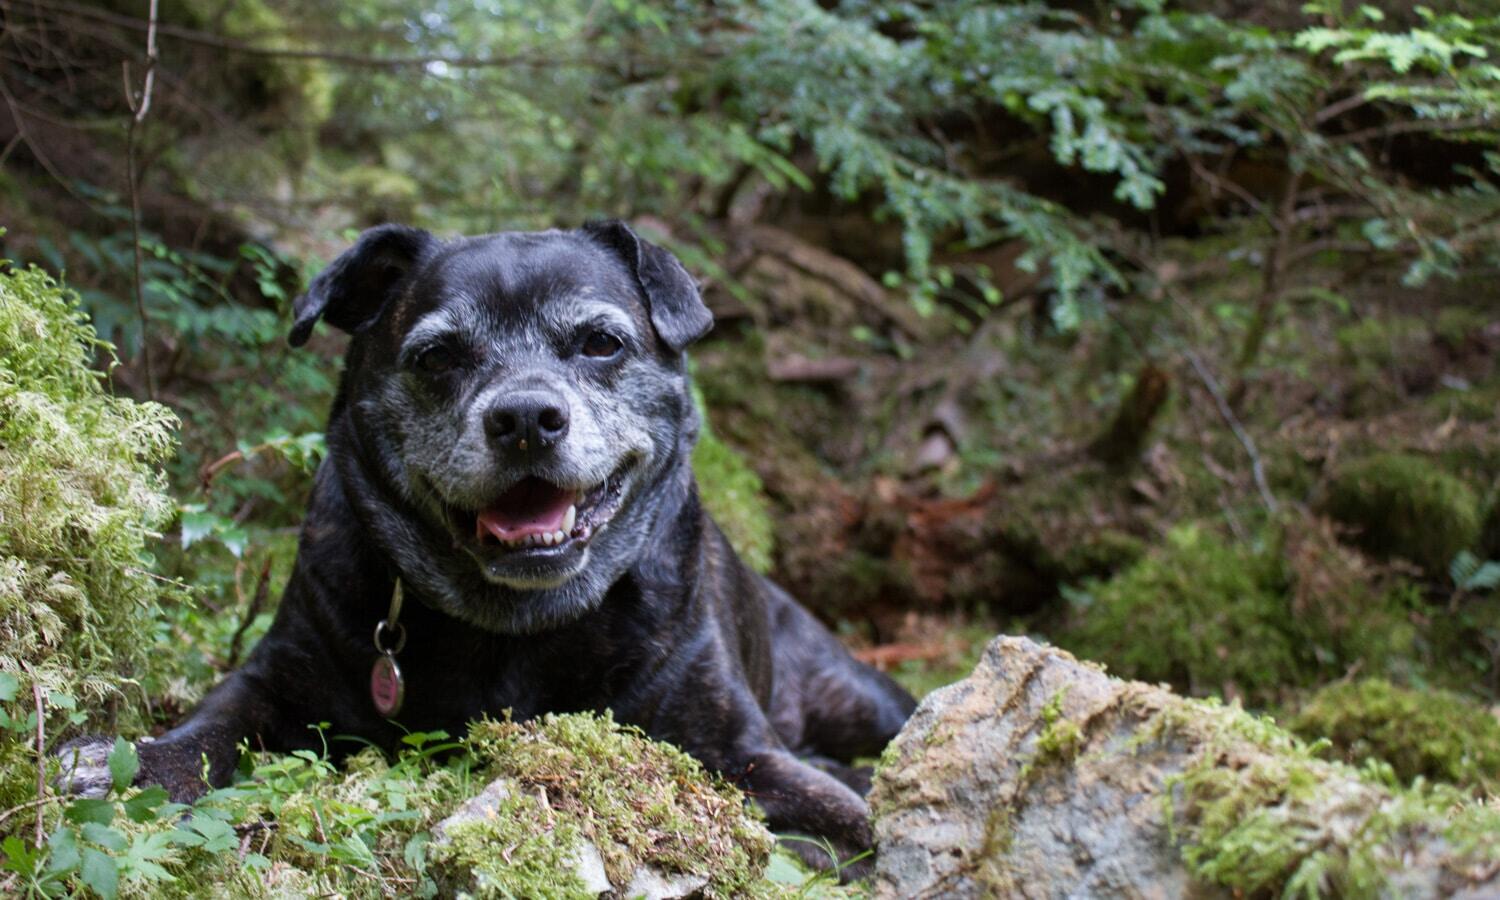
<point x="140" y="105"/>
<point x="1257" y="470"/>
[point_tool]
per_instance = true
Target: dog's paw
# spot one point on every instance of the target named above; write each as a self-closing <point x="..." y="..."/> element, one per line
<point x="85" y="766"/>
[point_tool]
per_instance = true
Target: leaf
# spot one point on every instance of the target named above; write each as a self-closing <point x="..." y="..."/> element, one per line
<point x="197" y="524"/>
<point x="144" y="851"/>
<point x="143" y="807"/>
<point x="18" y="857"/>
<point x="9" y="686"/>
<point x="123" y="764"/>
<point x="64" y="856"/>
<point x="89" y="809"/>
<point x="104" y="836"/>
<point x="100" y="873"/>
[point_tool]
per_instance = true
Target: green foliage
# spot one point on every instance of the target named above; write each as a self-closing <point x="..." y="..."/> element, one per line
<point x="1404" y="507"/>
<point x="80" y="498"/>
<point x="1432" y="734"/>
<point x="298" y="826"/>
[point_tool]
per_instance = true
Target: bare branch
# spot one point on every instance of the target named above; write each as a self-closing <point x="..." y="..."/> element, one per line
<point x="1257" y="469"/>
<point x="140" y="105"/>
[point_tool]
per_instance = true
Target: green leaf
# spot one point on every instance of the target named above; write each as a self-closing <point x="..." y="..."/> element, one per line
<point x="104" y="836"/>
<point x="89" y="809"/>
<point x="197" y="524"/>
<point x="9" y="686"/>
<point x="123" y="764"/>
<point x="100" y="873"/>
<point x="19" y="857"/>
<point x="64" y="856"/>
<point x="143" y="806"/>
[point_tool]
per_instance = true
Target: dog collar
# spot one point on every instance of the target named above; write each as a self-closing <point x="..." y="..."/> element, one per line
<point x="387" y="687"/>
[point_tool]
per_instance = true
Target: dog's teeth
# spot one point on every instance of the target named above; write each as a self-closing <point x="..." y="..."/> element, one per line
<point x="569" y="518"/>
<point x="558" y="537"/>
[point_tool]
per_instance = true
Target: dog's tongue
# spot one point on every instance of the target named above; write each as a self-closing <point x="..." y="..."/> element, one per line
<point x="532" y="507"/>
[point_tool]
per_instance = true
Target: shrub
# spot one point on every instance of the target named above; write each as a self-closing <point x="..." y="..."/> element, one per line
<point x="1434" y="734"/>
<point x="79" y="498"/>
<point x="1404" y="507"/>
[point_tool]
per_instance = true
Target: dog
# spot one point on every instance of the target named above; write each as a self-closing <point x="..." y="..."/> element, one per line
<point x="508" y="451"/>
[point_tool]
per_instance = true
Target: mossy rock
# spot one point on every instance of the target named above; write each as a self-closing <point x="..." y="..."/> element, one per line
<point x="577" y="781"/>
<point x="1433" y="734"/>
<point x="1197" y="612"/>
<point x="1404" y="507"/>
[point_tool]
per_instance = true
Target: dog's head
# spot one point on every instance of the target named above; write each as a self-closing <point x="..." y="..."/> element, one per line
<point x="519" y="405"/>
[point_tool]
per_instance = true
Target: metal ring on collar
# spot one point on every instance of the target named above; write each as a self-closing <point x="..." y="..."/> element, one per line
<point x="399" y="632"/>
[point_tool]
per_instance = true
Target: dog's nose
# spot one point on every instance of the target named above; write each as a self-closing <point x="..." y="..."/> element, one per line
<point x="527" y="421"/>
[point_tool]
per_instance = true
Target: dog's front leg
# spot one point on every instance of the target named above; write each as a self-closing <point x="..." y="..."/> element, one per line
<point x="199" y="754"/>
<point x="810" y="807"/>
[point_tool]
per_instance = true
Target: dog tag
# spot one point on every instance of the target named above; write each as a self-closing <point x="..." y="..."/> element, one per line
<point x="386" y="687"/>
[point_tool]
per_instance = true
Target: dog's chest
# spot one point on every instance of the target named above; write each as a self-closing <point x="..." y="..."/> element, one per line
<point x="451" y="680"/>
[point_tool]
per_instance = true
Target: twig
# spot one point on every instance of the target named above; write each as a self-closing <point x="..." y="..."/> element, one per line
<point x="1257" y="469"/>
<point x="139" y="107"/>
<point x="41" y="749"/>
<point x="29" y="804"/>
<point x="36" y="151"/>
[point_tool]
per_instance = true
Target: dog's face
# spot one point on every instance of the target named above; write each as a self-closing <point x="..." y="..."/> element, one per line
<point x="521" y="407"/>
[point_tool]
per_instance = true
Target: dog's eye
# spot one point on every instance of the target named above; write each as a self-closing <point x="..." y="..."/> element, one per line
<point x="436" y="360"/>
<point x="601" y="345"/>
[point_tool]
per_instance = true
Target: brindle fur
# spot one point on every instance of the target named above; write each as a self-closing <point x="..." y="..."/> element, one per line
<point x="660" y="622"/>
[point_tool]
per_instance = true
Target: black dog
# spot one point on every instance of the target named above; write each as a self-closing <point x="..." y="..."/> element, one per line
<point x="509" y="450"/>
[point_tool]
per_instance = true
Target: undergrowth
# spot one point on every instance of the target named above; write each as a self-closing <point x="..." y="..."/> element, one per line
<point x="80" y="497"/>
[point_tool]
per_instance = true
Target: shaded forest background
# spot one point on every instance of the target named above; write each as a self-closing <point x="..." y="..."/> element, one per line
<point x="1164" y="331"/>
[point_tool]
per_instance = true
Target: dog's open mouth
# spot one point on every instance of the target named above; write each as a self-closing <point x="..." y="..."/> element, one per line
<point x="537" y="513"/>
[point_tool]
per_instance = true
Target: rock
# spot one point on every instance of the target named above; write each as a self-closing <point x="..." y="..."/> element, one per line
<point x="1040" y="776"/>
<point x="584" y="859"/>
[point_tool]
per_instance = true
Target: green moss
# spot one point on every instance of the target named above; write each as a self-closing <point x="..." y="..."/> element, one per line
<point x="638" y="801"/>
<point x="79" y="500"/>
<point x="1383" y="342"/>
<point x="1404" y="507"/>
<point x="1432" y="734"/>
<point x="1258" y="812"/>
<point x="1197" y="612"/>
<point x="733" y="494"/>
<point x="1061" y="737"/>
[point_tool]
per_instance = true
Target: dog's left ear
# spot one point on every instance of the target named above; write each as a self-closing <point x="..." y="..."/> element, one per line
<point x="352" y="291"/>
<point x="677" y="310"/>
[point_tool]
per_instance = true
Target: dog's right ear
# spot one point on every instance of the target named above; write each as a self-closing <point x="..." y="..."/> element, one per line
<point x="352" y="291"/>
